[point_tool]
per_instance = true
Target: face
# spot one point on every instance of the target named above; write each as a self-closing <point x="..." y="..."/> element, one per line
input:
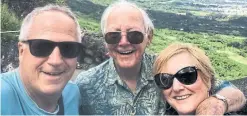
<point x="184" y="98"/>
<point x="125" y="19"/>
<point x="47" y="75"/>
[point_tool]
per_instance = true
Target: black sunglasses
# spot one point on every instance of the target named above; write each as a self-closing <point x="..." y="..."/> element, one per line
<point x="43" y="48"/>
<point x="134" y="37"/>
<point x="186" y="75"/>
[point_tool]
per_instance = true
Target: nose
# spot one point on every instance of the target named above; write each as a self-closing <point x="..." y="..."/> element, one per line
<point x="123" y="40"/>
<point x="177" y="86"/>
<point x="55" y="58"/>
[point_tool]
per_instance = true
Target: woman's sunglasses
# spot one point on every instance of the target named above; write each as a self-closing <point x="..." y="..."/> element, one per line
<point x="186" y="75"/>
<point x="43" y="48"/>
<point x="134" y="37"/>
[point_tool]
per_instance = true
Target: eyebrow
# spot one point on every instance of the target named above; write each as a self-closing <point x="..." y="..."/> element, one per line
<point x="117" y="28"/>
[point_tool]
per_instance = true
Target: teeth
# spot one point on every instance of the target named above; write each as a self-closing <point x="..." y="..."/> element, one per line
<point x="181" y="97"/>
<point x="126" y="52"/>
<point x="53" y="73"/>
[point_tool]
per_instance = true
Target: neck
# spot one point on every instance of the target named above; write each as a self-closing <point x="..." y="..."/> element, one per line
<point x="129" y="75"/>
<point x="190" y="113"/>
<point x="47" y="103"/>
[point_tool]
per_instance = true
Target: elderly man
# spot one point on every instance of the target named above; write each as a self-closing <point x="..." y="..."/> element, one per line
<point x="124" y="85"/>
<point x="48" y="47"/>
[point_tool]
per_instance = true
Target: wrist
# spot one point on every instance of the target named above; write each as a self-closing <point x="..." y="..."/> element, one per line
<point x="223" y="99"/>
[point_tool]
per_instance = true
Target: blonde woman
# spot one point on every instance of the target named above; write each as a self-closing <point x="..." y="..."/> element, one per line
<point x="186" y="77"/>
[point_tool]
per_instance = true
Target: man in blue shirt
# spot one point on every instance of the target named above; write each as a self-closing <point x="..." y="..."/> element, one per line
<point x="124" y="84"/>
<point x="49" y="43"/>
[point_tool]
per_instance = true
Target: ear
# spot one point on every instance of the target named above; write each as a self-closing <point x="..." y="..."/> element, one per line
<point x="21" y="48"/>
<point x="150" y="37"/>
<point x="105" y="45"/>
<point x="107" y="53"/>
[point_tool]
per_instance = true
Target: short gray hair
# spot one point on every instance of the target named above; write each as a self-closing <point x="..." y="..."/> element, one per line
<point x="148" y="25"/>
<point x="29" y="18"/>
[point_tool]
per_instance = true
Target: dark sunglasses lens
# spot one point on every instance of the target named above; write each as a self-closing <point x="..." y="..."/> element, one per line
<point x="112" y="37"/>
<point x="41" y="48"/>
<point x="187" y="75"/>
<point x="135" y="37"/>
<point x="69" y="49"/>
<point x="163" y="81"/>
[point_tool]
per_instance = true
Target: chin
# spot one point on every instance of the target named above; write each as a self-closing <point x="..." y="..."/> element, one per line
<point x="186" y="112"/>
<point x="52" y="90"/>
<point x="127" y="64"/>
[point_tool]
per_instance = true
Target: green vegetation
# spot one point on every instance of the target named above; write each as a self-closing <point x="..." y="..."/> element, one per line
<point x="200" y="13"/>
<point x="89" y="24"/>
<point x="12" y="13"/>
<point x="102" y="2"/>
<point x="228" y="62"/>
<point x="9" y="22"/>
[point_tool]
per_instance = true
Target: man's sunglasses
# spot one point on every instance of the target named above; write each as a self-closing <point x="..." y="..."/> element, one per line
<point x="43" y="48"/>
<point x="134" y="37"/>
<point x="186" y="75"/>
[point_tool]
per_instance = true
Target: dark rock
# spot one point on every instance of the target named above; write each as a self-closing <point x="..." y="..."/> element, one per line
<point x="9" y="54"/>
<point x="94" y="51"/>
<point x="88" y="60"/>
<point x="89" y="52"/>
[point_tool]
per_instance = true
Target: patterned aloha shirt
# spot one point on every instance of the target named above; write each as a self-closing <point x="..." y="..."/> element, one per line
<point x="104" y="93"/>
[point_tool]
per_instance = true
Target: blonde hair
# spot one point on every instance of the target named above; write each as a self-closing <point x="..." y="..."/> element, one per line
<point x="201" y="59"/>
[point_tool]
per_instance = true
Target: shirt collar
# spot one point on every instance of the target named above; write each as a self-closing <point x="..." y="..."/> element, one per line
<point x="147" y="66"/>
<point x="111" y="73"/>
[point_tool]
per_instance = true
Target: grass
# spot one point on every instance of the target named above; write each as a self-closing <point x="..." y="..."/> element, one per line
<point x="235" y="57"/>
<point x="200" y="13"/>
<point x="102" y="2"/>
<point x="228" y="63"/>
<point x="89" y="24"/>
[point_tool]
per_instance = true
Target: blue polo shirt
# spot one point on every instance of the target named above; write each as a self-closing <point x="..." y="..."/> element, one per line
<point x="16" y="101"/>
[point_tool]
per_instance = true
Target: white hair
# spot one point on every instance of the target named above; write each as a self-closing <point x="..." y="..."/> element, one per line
<point x="148" y="25"/>
<point x="25" y="27"/>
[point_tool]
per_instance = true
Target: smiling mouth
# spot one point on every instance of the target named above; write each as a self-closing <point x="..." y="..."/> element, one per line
<point x="181" y="97"/>
<point x="53" y="73"/>
<point x="126" y="52"/>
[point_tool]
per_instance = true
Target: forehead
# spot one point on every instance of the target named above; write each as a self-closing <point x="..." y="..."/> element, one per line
<point x="177" y="62"/>
<point x="124" y="18"/>
<point x="51" y="24"/>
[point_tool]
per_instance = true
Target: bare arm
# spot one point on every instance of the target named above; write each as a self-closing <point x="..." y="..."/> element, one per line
<point x="235" y="98"/>
<point x="214" y="106"/>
